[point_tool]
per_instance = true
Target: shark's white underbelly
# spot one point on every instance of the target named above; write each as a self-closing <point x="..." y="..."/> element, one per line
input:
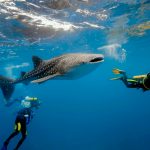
<point x="77" y="72"/>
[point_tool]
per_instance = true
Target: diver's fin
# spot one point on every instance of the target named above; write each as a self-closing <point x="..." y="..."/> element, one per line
<point x="118" y="78"/>
<point x="36" y="61"/>
<point x="41" y="80"/>
<point x="4" y="147"/>
<point x="7" y="87"/>
<point x="117" y="71"/>
<point x="22" y="73"/>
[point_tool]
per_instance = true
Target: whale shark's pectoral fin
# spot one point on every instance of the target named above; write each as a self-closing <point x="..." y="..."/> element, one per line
<point x="41" y="80"/>
<point x="36" y="61"/>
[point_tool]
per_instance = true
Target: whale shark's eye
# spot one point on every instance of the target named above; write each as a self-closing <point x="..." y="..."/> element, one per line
<point x="97" y="59"/>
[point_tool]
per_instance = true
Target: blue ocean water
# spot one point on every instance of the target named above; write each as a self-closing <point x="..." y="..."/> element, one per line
<point x="93" y="112"/>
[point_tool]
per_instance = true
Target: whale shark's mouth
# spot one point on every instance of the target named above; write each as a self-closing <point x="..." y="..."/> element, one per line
<point x="97" y="60"/>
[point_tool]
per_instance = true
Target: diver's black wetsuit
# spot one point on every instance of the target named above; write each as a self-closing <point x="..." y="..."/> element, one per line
<point x="21" y="122"/>
<point x="139" y="83"/>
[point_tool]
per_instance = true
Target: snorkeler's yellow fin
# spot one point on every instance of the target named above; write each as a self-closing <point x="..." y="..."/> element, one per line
<point x="139" y="76"/>
<point x="117" y="71"/>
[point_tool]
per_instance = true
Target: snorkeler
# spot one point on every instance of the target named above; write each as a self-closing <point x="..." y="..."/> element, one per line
<point x="139" y="81"/>
<point x="24" y="116"/>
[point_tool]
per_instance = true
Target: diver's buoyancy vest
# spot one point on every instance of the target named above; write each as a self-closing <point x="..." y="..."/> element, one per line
<point x="146" y="83"/>
<point x="26" y="114"/>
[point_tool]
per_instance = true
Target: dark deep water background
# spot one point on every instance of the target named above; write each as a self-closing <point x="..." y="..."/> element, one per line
<point x="91" y="113"/>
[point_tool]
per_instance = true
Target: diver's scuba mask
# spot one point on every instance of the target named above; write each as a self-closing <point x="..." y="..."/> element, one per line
<point x="148" y="75"/>
<point x="146" y="82"/>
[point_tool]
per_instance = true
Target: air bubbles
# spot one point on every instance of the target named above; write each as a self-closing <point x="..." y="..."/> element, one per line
<point x="114" y="51"/>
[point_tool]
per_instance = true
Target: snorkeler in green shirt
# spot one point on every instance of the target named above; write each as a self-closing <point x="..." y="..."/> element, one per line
<point x="139" y="81"/>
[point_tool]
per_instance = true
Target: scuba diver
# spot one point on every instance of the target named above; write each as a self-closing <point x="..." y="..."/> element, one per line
<point x="139" y="81"/>
<point x="23" y="118"/>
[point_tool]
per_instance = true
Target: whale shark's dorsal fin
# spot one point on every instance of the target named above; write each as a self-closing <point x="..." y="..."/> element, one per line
<point x="36" y="61"/>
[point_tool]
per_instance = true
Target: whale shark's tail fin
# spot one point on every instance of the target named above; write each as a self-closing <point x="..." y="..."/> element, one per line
<point x="7" y="87"/>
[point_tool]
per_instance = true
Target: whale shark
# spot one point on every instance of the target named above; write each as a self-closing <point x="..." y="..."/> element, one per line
<point x="65" y="67"/>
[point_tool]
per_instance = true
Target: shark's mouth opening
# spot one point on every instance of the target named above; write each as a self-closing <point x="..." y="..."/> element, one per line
<point x="96" y="60"/>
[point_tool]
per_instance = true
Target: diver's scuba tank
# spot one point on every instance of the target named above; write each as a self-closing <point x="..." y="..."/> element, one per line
<point x="34" y="101"/>
<point x="146" y="82"/>
<point x="31" y="98"/>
